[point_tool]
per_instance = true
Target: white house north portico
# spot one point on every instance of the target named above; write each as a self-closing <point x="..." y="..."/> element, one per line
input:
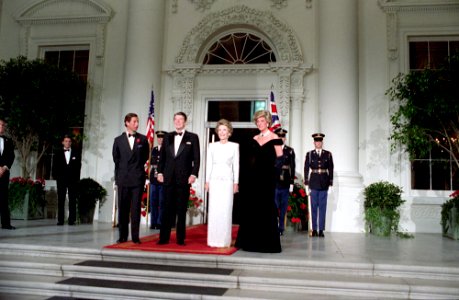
<point x="330" y="63"/>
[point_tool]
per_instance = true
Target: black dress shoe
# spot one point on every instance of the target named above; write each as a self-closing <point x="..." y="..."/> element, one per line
<point x="162" y="242"/>
<point x="314" y="233"/>
<point x="9" y="227"/>
<point x="72" y="223"/>
<point x="321" y="233"/>
<point x="136" y="242"/>
<point x="119" y="241"/>
<point x="60" y="223"/>
<point x="181" y="243"/>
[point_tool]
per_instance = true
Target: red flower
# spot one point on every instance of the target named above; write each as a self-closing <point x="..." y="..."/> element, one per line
<point x="303" y="206"/>
<point x="144" y="213"/>
<point x="137" y="141"/>
<point x="454" y="194"/>
<point x="289" y="208"/>
<point x="302" y="192"/>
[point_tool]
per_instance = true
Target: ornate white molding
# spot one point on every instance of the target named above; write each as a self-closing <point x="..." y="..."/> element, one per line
<point x="65" y="12"/>
<point x="76" y="11"/>
<point x="417" y="5"/>
<point x="279" y="3"/>
<point x="280" y="34"/>
<point x="202" y="5"/>
<point x="394" y="8"/>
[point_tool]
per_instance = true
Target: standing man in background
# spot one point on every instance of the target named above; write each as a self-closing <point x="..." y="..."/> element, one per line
<point x="319" y="180"/>
<point x="6" y="161"/>
<point x="130" y="153"/>
<point x="285" y="179"/>
<point x="178" y="169"/>
<point x="66" y="172"/>
<point x="156" y="188"/>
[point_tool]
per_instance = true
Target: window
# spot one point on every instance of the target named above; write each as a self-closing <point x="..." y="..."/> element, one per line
<point x="236" y="111"/>
<point x="239" y="48"/>
<point x="75" y="58"/>
<point x="437" y="170"/>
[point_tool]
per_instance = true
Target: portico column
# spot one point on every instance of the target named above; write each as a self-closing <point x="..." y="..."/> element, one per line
<point x="143" y="57"/>
<point x="338" y="109"/>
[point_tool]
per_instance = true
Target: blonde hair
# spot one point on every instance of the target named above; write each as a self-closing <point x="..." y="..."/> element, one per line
<point x="263" y="114"/>
<point x="226" y="123"/>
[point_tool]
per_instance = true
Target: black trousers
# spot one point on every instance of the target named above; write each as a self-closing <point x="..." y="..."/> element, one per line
<point x="129" y="204"/>
<point x="62" y="188"/>
<point x="4" y="208"/>
<point x="176" y="201"/>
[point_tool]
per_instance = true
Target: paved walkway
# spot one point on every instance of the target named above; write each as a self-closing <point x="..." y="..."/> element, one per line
<point x="422" y="250"/>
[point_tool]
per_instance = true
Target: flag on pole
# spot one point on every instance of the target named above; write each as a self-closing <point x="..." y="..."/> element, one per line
<point x="151" y="120"/>
<point x="273" y="110"/>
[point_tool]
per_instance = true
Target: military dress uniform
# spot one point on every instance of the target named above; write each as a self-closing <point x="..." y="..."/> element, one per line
<point x="284" y="180"/>
<point x="318" y="174"/>
<point x="156" y="188"/>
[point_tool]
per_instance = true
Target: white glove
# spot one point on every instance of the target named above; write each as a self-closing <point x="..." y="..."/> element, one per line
<point x="290" y="188"/>
<point x="308" y="191"/>
<point x="330" y="189"/>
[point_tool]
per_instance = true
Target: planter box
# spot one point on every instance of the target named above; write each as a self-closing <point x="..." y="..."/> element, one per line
<point x="26" y="213"/>
<point x="453" y="227"/>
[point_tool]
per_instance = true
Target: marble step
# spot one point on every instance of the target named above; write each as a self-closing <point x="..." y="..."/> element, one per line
<point x="383" y="269"/>
<point x="103" y="278"/>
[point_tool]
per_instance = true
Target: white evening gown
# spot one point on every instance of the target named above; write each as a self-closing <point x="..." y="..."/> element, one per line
<point x="222" y="173"/>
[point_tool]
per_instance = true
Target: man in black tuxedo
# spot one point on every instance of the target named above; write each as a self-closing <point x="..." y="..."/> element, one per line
<point x="130" y="153"/>
<point x="66" y="171"/>
<point x="178" y="168"/>
<point x="6" y="161"/>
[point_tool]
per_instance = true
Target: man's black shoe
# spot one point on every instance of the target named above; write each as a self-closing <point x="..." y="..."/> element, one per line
<point x="321" y="233"/>
<point x="9" y="227"/>
<point x="72" y="223"/>
<point x="181" y="243"/>
<point x="60" y="223"/>
<point x="314" y="233"/>
<point x="162" y="242"/>
<point x="136" y="242"/>
<point x="119" y="241"/>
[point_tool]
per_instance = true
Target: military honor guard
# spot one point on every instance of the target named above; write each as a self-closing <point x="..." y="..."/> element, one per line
<point x="284" y="180"/>
<point x="156" y="188"/>
<point x="318" y="178"/>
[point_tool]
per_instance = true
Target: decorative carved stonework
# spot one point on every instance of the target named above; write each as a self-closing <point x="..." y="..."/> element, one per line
<point x="279" y="3"/>
<point x="76" y="11"/>
<point x="202" y="5"/>
<point x="279" y="33"/>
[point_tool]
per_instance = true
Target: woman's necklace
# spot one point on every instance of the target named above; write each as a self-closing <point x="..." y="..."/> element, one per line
<point x="264" y="134"/>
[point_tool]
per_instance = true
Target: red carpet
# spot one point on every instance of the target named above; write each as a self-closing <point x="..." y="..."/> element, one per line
<point x="196" y="243"/>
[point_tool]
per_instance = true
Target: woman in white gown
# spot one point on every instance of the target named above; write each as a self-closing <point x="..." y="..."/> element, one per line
<point x="221" y="182"/>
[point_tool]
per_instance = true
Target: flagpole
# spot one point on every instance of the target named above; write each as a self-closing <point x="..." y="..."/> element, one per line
<point x="151" y="140"/>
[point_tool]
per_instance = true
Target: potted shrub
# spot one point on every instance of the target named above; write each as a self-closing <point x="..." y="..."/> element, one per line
<point x="297" y="209"/>
<point x="450" y="216"/>
<point x="89" y="192"/>
<point x="381" y="207"/>
<point x="26" y="198"/>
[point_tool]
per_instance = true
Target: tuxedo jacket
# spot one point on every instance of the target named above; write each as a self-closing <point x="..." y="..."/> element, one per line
<point x="176" y="169"/>
<point x="69" y="173"/>
<point x="313" y="163"/>
<point x="7" y="157"/>
<point x="130" y="164"/>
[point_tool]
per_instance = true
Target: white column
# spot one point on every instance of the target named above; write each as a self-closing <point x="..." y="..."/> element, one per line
<point x="143" y="57"/>
<point x="338" y="109"/>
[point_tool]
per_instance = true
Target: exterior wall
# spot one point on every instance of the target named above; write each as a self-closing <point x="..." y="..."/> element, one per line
<point x="138" y="46"/>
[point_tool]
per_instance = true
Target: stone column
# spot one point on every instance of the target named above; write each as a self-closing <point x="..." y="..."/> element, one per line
<point x="143" y="57"/>
<point x="338" y="109"/>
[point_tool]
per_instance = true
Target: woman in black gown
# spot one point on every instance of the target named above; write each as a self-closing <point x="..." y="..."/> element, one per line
<point x="258" y="230"/>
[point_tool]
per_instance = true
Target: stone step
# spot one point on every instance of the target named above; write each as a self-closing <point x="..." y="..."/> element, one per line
<point x="35" y="274"/>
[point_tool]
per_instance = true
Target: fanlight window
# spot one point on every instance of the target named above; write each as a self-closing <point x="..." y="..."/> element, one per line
<point x="239" y="48"/>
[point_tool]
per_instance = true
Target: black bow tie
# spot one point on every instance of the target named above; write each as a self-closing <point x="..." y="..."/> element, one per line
<point x="129" y="135"/>
<point x="65" y="150"/>
<point x="178" y="133"/>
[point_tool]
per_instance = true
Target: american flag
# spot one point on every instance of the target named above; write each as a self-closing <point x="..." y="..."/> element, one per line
<point x="273" y="109"/>
<point x="151" y="120"/>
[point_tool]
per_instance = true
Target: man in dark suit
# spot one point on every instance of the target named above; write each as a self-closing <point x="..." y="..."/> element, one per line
<point x="6" y="161"/>
<point x="156" y="188"/>
<point x="319" y="180"/>
<point x="66" y="171"/>
<point x="285" y="179"/>
<point x="130" y="153"/>
<point x="178" y="168"/>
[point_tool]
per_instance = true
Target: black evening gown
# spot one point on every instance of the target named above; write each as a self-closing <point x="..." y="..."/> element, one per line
<point x="258" y="230"/>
